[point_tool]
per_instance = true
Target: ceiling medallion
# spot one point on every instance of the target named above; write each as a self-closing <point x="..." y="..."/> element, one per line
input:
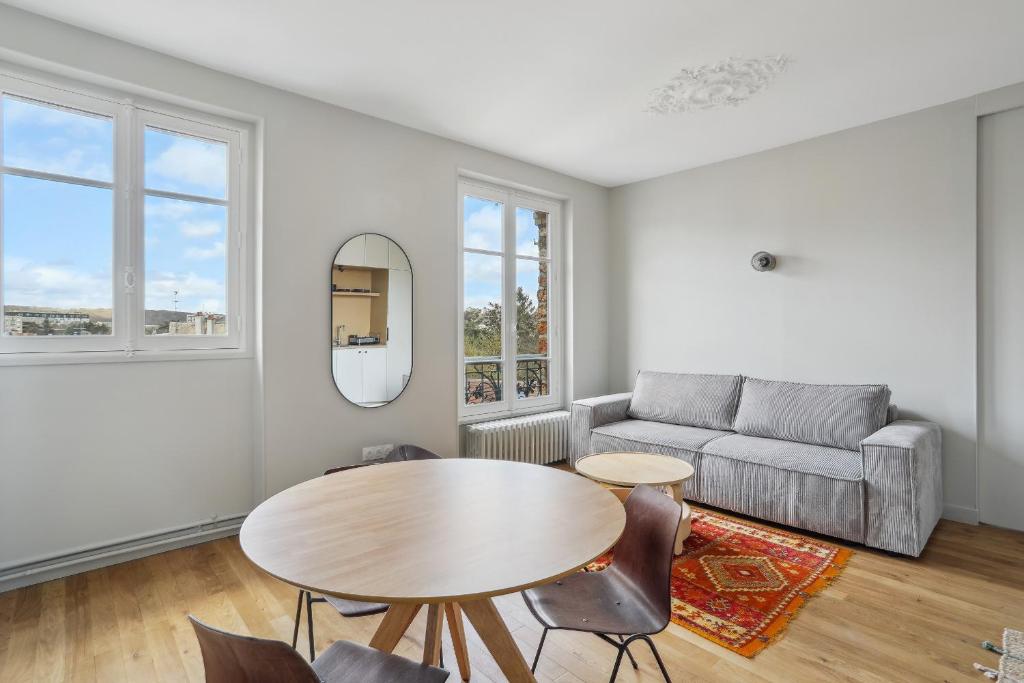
<point x="725" y="84"/>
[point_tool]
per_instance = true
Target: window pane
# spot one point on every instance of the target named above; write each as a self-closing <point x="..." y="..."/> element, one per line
<point x="483" y="383"/>
<point x="186" y="266"/>
<point x="482" y="300"/>
<point x="531" y="307"/>
<point x="532" y="378"/>
<point x="44" y="138"/>
<point x="531" y="232"/>
<point x="482" y="224"/>
<point x="185" y="164"/>
<point x="58" y="258"/>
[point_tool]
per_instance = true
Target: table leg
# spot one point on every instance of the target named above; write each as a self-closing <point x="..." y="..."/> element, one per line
<point x="683" y="530"/>
<point x="492" y="630"/>
<point x="394" y="625"/>
<point x="453" y="614"/>
<point x="432" y="639"/>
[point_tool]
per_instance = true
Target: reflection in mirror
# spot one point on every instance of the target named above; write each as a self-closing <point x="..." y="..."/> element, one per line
<point x="371" y="320"/>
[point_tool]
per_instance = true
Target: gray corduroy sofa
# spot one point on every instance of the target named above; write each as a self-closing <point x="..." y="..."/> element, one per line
<point x="832" y="459"/>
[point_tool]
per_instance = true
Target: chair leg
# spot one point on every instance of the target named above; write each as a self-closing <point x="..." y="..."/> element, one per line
<point x="657" y="658"/>
<point x="618" y="661"/>
<point x="629" y="654"/>
<point x="540" y="647"/>
<point x="309" y="625"/>
<point x="298" y="618"/>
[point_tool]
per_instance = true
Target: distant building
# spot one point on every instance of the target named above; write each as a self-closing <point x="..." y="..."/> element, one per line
<point x="14" y="321"/>
<point x="59" y="318"/>
<point x="12" y="324"/>
<point x="199" y="323"/>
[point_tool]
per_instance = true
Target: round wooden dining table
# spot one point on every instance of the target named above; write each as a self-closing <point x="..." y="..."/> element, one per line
<point x="450" y="534"/>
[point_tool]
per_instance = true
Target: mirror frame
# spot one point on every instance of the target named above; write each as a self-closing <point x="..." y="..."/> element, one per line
<point x="330" y="320"/>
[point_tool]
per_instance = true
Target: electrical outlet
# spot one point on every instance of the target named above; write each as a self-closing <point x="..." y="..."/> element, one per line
<point x="377" y="452"/>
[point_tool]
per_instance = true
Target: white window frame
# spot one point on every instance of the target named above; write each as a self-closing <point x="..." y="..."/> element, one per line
<point x="130" y="119"/>
<point x="510" y="199"/>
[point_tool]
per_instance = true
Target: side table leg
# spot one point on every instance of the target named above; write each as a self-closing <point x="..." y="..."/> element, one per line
<point x="684" y="517"/>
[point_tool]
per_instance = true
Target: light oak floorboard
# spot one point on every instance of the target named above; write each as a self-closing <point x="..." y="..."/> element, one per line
<point x="885" y="619"/>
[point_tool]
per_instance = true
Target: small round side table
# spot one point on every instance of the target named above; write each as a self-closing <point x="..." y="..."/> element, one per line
<point x="632" y="469"/>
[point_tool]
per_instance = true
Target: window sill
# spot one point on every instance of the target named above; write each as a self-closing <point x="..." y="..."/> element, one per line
<point x="504" y="414"/>
<point x="89" y="357"/>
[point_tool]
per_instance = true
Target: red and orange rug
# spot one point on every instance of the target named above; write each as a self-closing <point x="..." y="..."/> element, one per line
<point x="739" y="584"/>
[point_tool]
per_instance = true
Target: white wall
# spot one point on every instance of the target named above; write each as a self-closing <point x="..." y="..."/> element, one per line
<point x="874" y="228"/>
<point x="94" y="453"/>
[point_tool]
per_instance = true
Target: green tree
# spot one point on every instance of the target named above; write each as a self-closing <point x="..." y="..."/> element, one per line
<point x="482" y="328"/>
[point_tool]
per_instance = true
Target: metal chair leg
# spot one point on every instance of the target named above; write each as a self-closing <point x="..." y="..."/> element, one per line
<point x="618" y="661"/>
<point x="657" y="658"/>
<point x="629" y="654"/>
<point x="309" y="622"/>
<point x="540" y="647"/>
<point x="298" y="617"/>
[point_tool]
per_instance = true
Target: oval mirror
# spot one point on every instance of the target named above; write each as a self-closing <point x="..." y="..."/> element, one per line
<point x="371" y="320"/>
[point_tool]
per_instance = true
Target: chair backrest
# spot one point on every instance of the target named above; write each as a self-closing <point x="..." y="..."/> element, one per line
<point x="397" y="454"/>
<point x="410" y="452"/>
<point x="231" y="658"/>
<point x="644" y="554"/>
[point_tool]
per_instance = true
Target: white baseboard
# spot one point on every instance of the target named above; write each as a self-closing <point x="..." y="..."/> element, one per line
<point x="105" y="555"/>
<point x="958" y="513"/>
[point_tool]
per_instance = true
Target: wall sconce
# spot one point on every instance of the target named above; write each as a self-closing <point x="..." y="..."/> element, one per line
<point x="763" y="261"/>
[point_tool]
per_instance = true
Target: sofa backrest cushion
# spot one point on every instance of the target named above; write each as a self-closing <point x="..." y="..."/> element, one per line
<point x="835" y="415"/>
<point x="707" y="401"/>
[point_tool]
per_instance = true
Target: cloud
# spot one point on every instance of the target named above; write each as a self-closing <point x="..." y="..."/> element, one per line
<point x="73" y="123"/>
<point x="188" y="163"/>
<point x="194" y="292"/>
<point x="483" y="228"/>
<point x="73" y="162"/>
<point x="167" y="209"/>
<point x="27" y="283"/>
<point x="200" y="229"/>
<point x="212" y="305"/>
<point x="199" y="254"/>
<point x="482" y="275"/>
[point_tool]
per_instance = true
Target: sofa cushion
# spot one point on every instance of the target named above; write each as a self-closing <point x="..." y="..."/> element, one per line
<point x="838" y="416"/>
<point x="823" y="461"/>
<point x="812" y="487"/>
<point x="655" y="437"/>
<point x="707" y="401"/>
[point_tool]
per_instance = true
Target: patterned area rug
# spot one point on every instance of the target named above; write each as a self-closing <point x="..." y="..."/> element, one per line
<point x="739" y="584"/>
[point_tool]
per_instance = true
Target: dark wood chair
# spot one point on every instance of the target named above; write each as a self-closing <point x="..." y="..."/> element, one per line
<point x="352" y="608"/>
<point x="231" y="658"/>
<point x="632" y="597"/>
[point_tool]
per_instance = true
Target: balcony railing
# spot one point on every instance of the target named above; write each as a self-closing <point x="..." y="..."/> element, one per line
<point x="484" y="379"/>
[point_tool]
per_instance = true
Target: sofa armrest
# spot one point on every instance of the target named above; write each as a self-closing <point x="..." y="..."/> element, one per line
<point x="589" y="413"/>
<point x="902" y="485"/>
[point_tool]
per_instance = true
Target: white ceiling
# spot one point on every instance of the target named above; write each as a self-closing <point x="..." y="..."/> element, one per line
<point x="563" y="83"/>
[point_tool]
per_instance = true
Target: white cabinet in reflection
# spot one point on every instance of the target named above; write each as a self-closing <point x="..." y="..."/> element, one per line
<point x="362" y="373"/>
<point x="365" y="251"/>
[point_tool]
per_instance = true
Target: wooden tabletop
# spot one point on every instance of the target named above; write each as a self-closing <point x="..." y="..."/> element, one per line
<point x="633" y="469"/>
<point x="432" y="531"/>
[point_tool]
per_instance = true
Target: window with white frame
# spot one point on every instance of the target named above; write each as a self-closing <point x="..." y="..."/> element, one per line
<point x="122" y="227"/>
<point x="510" y="303"/>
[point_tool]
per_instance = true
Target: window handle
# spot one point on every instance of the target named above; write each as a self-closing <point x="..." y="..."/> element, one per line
<point x="129" y="280"/>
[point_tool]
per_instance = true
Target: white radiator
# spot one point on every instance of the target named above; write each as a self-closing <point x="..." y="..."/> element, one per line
<point x="539" y="439"/>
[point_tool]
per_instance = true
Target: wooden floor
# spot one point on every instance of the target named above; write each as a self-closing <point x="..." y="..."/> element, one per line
<point x="885" y="619"/>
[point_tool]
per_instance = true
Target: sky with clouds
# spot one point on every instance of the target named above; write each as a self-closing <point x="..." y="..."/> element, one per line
<point x="482" y="229"/>
<point x="58" y="237"/>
